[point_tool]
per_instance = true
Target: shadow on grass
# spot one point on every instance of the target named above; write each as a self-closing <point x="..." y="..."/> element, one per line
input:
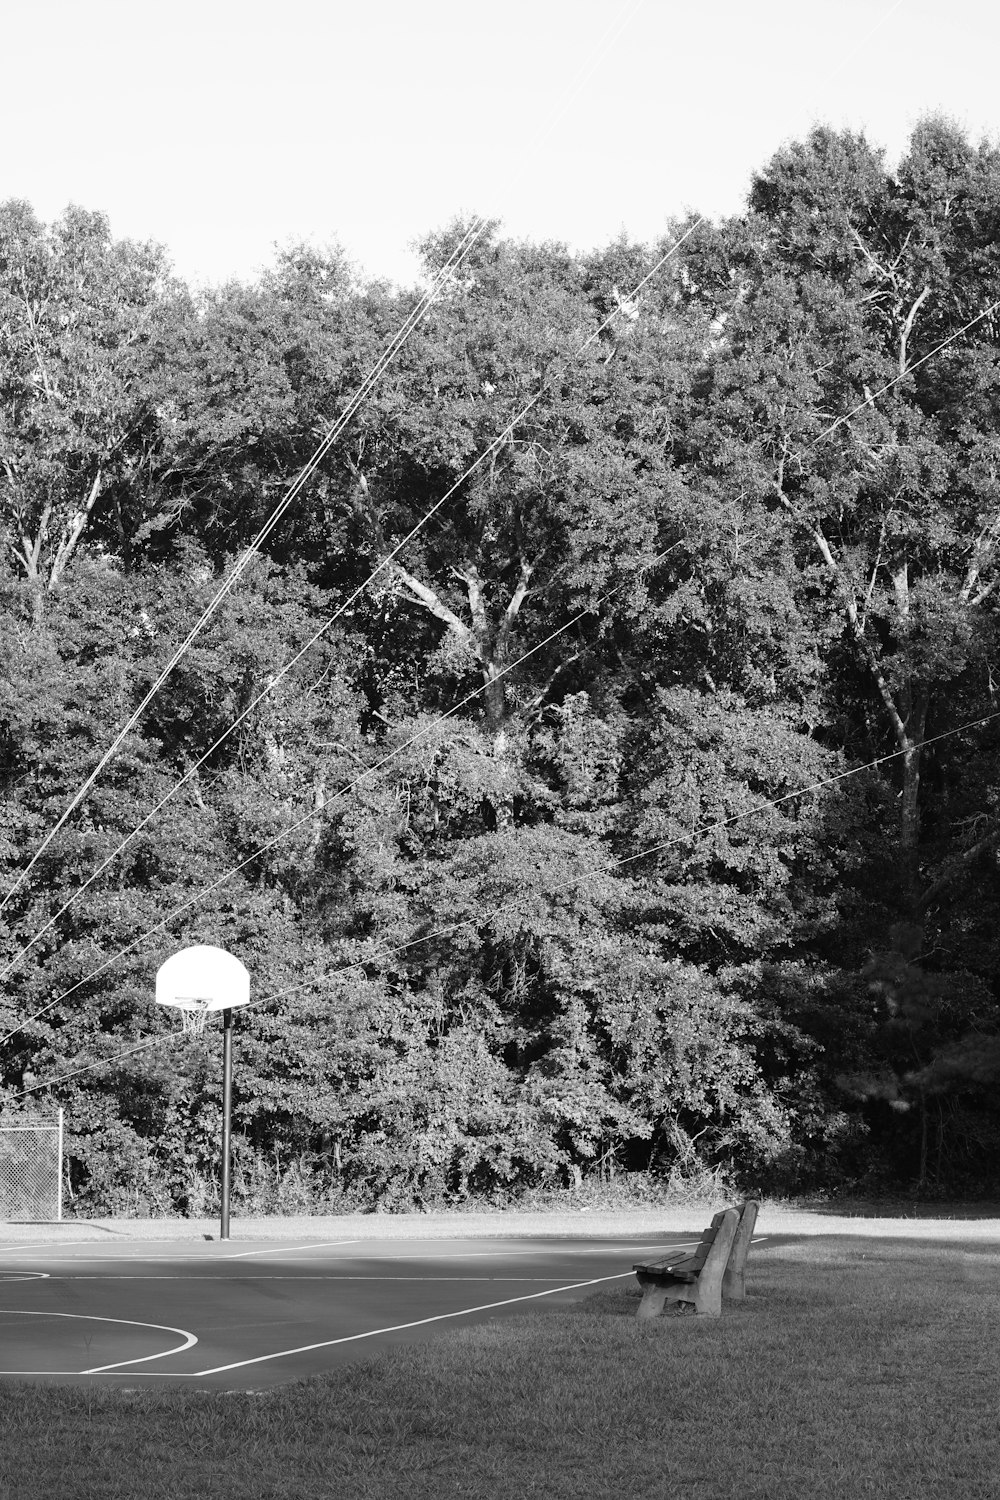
<point x="895" y="1208"/>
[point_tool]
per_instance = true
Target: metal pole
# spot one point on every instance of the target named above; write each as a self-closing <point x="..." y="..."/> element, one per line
<point x="59" y="1166"/>
<point x="227" y="1116"/>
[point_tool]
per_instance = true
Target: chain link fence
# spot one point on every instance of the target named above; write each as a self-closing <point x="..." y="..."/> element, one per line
<point x="31" y="1170"/>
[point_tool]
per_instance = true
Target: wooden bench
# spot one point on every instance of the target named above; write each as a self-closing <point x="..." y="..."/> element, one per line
<point x="715" y="1269"/>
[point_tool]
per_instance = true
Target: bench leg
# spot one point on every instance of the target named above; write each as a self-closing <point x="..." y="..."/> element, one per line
<point x="708" y="1300"/>
<point x="734" y="1285"/>
<point x="653" y="1298"/>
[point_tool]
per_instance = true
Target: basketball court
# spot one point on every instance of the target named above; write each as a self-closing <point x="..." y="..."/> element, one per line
<point x="245" y="1316"/>
<point x="276" y="1305"/>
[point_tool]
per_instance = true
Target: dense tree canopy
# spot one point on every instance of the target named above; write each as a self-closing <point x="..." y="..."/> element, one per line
<point x="641" y="815"/>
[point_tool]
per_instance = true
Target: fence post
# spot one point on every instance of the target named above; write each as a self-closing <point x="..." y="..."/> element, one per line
<point x="59" y="1167"/>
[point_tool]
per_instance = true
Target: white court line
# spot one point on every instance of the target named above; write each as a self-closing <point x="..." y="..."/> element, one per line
<point x="277" y="1249"/>
<point x="330" y="1276"/>
<point x="399" y="1327"/>
<point x="126" y="1253"/>
<point x="528" y="1252"/>
<point x="527" y="1249"/>
<point x="23" y="1275"/>
<point x="18" y="1312"/>
<point x="111" y="1260"/>
<point x="14" y="1247"/>
<point x="329" y="1343"/>
<point x="338" y="1275"/>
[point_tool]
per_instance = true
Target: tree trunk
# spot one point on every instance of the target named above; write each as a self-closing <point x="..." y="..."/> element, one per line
<point x="319" y="805"/>
<point x="494" y="697"/>
<point x="909" y="829"/>
<point x="922" y="1182"/>
<point x="909" y="824"/>
<point x="503" y="806"/>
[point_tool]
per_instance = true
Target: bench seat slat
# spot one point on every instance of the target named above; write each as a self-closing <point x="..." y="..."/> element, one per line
<point x="667" y="1273"/>
<point x="683" y="1267"/>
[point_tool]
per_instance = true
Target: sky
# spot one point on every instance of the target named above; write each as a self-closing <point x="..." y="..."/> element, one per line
<point x="222" y="128"/>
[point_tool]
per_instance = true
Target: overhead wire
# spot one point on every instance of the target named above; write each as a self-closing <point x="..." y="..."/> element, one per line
<point x="143" y="1046"/>
<point x="284" y="670"/>
<point x="394" y="949"/>
<point x="610" y="867"/>
<point x="305" y="473"/>
<point x="472" y="233"/>
<point x="331" y="437"/>
<point x="192" y="771"/>
<point x="803" y="791"/>
<point x="293" y="827"/>
<point x="870" y="400"/>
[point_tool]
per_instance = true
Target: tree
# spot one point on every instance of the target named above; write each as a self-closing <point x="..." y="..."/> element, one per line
<point x="570" y="505"/>
<point x="879" y="530"/>
<point x="82" y="315"/>
<point x="847" y="277"/>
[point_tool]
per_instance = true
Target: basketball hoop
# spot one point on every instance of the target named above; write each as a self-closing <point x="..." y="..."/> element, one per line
<point x="193" y="1019"/>
<point x="199" y="980"/>
<point x="195" y="981"/>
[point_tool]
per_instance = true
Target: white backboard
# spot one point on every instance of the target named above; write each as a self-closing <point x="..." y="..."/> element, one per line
<point x="202" y="978"/>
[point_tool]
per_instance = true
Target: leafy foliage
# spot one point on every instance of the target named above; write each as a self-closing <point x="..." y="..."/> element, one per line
<point x="696" y="875"/>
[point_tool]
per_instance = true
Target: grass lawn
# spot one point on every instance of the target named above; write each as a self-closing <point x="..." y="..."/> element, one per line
<point x="855" y="1367"/>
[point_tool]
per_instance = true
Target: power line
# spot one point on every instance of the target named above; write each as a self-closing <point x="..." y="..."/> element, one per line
<point x="826" y="433"/>
<point x="484" y="917"/>
<point x="150" y="1041"/>
<point x="367" y="385"/>
<point x="870" y="400"/>
<point x="292" y="827"/>
<point x="611" y="33"/>
<point x="607" y="37"/>
<point x="284" y="671"/>
<point x="192" y="771"/>
<point x="310" y="816"/>
<point x="687" y="837"/>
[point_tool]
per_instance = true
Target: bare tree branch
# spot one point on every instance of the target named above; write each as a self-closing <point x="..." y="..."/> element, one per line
<point x="907" y="328"/>
<point x="851" y="608"/>
<point x="73" y="531"/>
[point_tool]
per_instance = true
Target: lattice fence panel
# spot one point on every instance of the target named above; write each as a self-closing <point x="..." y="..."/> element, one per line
<point x="31" y="1171"/>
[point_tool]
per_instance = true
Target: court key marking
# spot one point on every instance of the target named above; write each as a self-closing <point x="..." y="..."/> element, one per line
<point x="189" y="1340"/>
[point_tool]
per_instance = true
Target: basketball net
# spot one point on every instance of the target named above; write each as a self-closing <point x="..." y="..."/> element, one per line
<point x="193" y="1019"/>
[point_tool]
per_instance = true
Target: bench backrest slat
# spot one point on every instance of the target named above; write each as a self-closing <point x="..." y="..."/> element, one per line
<point x="709" y="1295"/>
<point x="704" y="1245"/>
<point x="734" y="1283"/>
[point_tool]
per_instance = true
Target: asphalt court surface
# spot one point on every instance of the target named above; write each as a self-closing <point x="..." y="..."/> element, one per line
<point x="246" y="1316"/>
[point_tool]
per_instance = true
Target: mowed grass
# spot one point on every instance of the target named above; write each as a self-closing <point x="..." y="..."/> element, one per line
<point x="855" y="1367"/>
